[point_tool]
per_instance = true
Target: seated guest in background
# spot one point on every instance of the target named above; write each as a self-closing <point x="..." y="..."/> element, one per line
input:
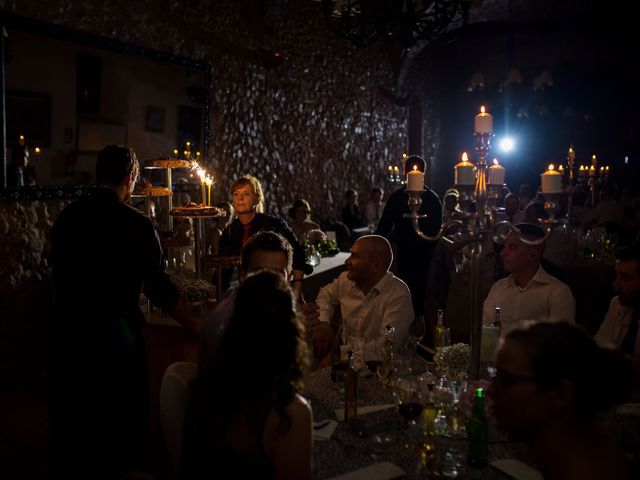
<point x="104" y="254"/>
<point x="529" y="293"/>
<point x="373" y="208"/>
<point x="369" y="296"/>
<point x="608" y="212"/>
<point x="248" y="203"/>
<point x="300" y="213"/>
<point x="350" y="214"/>
<point x="246" y="417"/>
<point x="525" y="195"/>
<point x="620" y="326"/>
<point x="551" y="383"/>
<point x="264" y="250"/>
<point x="512" y="212"/>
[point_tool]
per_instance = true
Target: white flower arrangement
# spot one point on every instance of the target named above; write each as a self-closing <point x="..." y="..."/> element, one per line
<point x="453" y="360"/>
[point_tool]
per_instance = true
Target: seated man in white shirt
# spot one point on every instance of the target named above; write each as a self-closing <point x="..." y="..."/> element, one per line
<point x="264" y="250"/>
<point x="529" y="293"/>
<point x="620" y="326"/>
<point x="369" y="296"/>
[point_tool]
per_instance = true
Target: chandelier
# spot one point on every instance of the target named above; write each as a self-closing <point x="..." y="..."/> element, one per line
<point x="365" y="22"/>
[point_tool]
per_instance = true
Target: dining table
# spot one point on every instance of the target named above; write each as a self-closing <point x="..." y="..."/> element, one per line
<point x="383" y="435"/>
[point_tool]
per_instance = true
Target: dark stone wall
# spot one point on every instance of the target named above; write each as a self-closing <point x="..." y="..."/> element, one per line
<point x="313" y="126"/>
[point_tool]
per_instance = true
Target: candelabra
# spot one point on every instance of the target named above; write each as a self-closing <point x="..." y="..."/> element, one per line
<point x="479" y="225"/>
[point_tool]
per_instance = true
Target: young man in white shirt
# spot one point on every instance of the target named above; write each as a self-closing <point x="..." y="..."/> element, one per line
<point x="529" y="293"/>
<point x="369" y="296"/>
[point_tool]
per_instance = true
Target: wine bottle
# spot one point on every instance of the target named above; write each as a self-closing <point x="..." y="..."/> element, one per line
<point x="478" y="432"/>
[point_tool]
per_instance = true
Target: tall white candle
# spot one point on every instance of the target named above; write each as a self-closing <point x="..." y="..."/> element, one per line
<point x="484" y="122"/>
<point x="464" y="172"/>
<point x="415" y="180"/>
<point x="496" y="173"/>
<point x="551" y="181"/>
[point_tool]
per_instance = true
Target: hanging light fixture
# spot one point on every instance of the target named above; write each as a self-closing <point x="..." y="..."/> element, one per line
<point x="365" y="22"/>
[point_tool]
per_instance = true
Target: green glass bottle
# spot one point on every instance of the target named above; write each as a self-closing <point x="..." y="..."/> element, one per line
<point x="478" y="432"/>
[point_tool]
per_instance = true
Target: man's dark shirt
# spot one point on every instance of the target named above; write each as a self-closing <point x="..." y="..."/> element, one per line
<point x="414" y="254"/>
<point x="104" y="252"/>
<point x="231" y="239"/>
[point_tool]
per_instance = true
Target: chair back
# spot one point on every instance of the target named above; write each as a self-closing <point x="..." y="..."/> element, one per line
<point x="174" y="396"/>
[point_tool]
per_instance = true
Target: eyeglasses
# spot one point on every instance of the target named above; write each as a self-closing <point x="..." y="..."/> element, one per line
<point x="504" y="379"/>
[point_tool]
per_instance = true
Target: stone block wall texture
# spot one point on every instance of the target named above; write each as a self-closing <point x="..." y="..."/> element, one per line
<point x="313" y="126"/>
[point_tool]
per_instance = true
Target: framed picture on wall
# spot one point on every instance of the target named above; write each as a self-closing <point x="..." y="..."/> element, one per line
<point x="155" y="119"/>
<point x="28" y="114"/>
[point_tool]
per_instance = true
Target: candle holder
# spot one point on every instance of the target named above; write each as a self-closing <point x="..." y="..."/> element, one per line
<point x="477" y="227"/>
<point x="552" y="207"/>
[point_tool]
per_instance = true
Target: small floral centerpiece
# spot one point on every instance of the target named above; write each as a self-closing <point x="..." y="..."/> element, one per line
<point x="453" y="361"/>
<point x="316" y="244"/>
<point x="191" y="287"/>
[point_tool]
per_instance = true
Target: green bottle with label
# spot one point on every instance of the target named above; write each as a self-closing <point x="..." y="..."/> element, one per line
<point x="478" y="432"/>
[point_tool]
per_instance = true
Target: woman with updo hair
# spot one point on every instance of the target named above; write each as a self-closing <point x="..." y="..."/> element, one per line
<point x="551" y="382"/>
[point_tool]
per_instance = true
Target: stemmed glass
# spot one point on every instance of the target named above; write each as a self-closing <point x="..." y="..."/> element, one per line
<point x="410" y="401"/>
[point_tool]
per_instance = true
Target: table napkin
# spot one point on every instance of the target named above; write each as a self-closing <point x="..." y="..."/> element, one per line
<point x="377" y="471"/>
<point x="629" y="409"/>
<point x="364" y="410"/>
<point x="517" y="469"/>
<point x="325" y="432"/>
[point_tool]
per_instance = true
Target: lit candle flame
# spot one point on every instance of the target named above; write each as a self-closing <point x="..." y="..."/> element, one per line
<point x="188" y="144"/>
<point x="404" y="156"/>
<point x="551" y="167"/>
<point x="175" y="151"/>
<point x="465" y="158"/>
<point x="197" y="154"/>
<point x="607" y="168"/>
<point x="395" y="168"/>
<point x="560" y="168"/>
<point x="208" y="180"/>
<point x="482" y="110"/>
<point x="415" y="167"/>
<point x="390" y="168"/>
<point x="37" y="149"/>
<point x="495" y="161"/>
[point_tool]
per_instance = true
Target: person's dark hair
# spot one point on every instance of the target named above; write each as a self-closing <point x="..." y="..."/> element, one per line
<point x="299" y="202"/>
<point x="531" y="231"/>
<point x="631" y="252"/>
<point x="263" y="352"/>
<point x="414" y="160"/>
<point x="563" y="351"/>
<point x="114" y="163"/>
<point x="349" y="193"/>
<point x="269" y="241"/>
<point x="376" y="190"/>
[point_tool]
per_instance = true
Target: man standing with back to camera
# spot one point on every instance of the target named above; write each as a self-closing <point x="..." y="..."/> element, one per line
<point x="414" y="253"/>
<point x="105" y="253"/>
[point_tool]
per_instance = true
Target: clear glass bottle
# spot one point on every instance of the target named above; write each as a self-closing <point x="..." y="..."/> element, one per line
<point x="496" y="318"/>
<point x="386" y="367"/>
<point x="350" y="390"/>
<point x="441" y="331"/>
<point x="478" y="432"/>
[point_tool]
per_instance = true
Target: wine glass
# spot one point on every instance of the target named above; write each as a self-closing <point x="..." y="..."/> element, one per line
<point x="410" y="402"/>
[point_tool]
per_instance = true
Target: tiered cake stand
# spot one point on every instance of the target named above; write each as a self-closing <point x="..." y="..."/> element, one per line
<point x="168" y="166"/>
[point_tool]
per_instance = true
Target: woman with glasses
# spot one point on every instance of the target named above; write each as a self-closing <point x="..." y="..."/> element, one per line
<point x="551" y="382"/>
